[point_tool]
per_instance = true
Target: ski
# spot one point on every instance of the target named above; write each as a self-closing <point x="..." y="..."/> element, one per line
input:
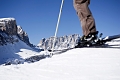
<point x="98" y="43"/>
<point x="109" y="38"/>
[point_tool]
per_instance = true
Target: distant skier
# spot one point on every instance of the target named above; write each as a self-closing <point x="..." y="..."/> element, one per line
<point x="86" y="19"/>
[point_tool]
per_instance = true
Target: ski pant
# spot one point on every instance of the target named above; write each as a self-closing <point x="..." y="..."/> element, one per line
<point x="85" y="16"/>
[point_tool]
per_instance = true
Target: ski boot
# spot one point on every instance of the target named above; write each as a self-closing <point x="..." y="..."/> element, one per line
<point x="90" y="40"/>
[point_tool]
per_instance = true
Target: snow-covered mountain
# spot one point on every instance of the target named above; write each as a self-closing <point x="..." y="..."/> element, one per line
<point x="67" y="41"/>
<point x="13" y="39"/>
<point x="8" y="31"/>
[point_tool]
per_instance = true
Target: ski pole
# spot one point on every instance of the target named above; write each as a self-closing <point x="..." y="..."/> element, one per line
<point x="57" y="25"/>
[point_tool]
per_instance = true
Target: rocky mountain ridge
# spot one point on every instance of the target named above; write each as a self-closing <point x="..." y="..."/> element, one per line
<point x="67" y="41"/>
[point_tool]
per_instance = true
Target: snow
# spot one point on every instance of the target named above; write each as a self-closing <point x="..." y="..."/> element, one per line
<point x="18" y="50"/>
<point x="20" y="30"/>
<point x="75" y="64"/>
<point x="6" y="19"/>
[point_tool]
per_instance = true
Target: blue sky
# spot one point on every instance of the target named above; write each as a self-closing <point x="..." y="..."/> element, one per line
<point x="39" y="17"/>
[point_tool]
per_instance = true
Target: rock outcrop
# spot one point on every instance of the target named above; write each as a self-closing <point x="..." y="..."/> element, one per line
<point x="8" y="25"/>
<point x="23" y="35"/>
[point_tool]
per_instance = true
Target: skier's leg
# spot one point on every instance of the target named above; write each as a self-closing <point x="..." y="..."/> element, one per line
<point x="85" y="16"/>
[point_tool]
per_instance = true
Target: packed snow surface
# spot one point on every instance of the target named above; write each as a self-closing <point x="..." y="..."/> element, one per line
<point x="75" y="64"/>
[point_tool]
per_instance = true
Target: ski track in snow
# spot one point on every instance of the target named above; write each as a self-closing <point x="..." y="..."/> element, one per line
<point x="75" y="64"/>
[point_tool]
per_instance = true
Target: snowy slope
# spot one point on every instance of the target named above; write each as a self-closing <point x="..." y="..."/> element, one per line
<point x="75" y="64"/>
<point x="17" y="50"/>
